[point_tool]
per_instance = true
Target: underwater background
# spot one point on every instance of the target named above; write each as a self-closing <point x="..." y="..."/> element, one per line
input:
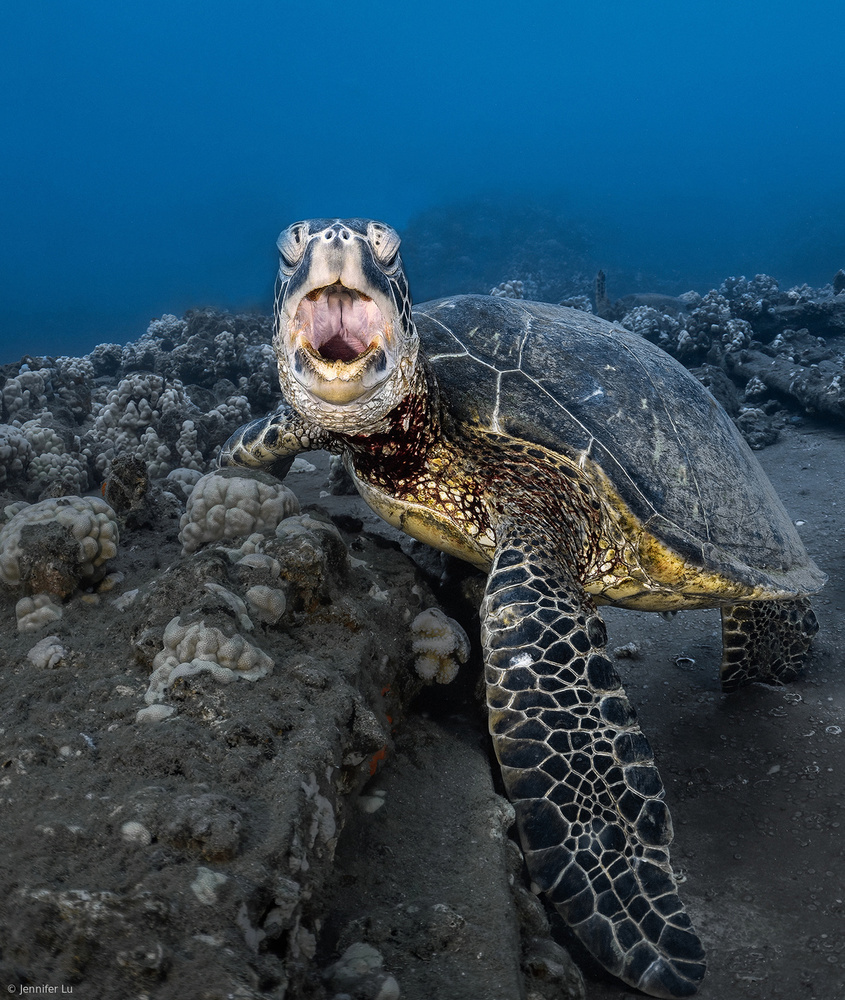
<point x="152" y="152"/>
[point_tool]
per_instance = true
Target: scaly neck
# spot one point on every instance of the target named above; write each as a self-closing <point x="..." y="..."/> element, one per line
<point x="398" y="445"/>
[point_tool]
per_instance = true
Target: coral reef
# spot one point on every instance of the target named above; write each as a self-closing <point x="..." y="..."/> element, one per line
<point x="510" y="290"/>
<point x="15" y="452"/>
<point x="690" y="330"/>
<point x="47" y="652"/>
<point x="801" y="369"/>
<point x="198" y="766"/>
<point x="169" y="399"/>
<point x="32" y="613"/>
<point x="581" y="302"/>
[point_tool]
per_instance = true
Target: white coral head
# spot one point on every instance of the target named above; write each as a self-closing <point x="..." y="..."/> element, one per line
<point x="440" y="644"/>
<point x="234" y="503"/>
<point x="58" y="544"/>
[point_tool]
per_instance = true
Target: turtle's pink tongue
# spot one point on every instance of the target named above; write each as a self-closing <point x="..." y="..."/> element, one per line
<point x="342" y="323"/>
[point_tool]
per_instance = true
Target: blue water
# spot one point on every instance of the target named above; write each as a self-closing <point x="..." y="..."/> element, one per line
<point x="150" y="152"/>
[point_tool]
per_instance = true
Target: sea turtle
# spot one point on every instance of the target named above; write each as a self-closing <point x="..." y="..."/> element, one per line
<point x="579" y="465"/>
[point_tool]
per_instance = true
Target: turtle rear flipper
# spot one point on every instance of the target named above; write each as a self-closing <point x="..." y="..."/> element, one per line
<point x="588" y="798"/>
<point x="765" y="641"/>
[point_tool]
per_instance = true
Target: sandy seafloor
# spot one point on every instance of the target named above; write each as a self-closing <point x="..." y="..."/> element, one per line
<point x="204" y="902"/>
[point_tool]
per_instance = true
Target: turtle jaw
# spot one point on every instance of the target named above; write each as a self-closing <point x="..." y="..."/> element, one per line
<point x="339" y="344"/>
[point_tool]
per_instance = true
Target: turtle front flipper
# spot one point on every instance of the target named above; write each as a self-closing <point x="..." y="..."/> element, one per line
<point x="272" y="442"/>
<point x="588" y="798"/>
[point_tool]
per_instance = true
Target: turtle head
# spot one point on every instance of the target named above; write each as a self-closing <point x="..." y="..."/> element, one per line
<point x="345" y="341"/>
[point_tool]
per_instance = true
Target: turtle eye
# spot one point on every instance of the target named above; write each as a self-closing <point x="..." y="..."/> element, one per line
<point x="384" y="241"/>
<point x="291" y="244"/>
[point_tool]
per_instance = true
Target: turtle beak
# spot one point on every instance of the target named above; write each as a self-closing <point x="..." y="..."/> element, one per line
<point x="338" y="341"/>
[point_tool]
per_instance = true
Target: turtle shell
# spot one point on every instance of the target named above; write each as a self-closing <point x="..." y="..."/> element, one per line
<point x="600" y="395"/>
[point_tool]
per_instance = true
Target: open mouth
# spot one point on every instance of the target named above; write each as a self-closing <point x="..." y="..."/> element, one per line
<point x="336" y="323"/>
<point x="339" y="341"/>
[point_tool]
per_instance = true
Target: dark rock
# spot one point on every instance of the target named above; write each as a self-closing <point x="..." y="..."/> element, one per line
<point x="50" y="562"/>
<point x="757" y="428"/>
<point x="127" y="484"/>
<point x="817" y="389"/>
<point x="603" y="303"/>
<point x="716" y="380"/>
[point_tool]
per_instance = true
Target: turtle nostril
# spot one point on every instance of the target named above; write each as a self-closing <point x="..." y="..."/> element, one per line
<point x="344" y="234"/>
